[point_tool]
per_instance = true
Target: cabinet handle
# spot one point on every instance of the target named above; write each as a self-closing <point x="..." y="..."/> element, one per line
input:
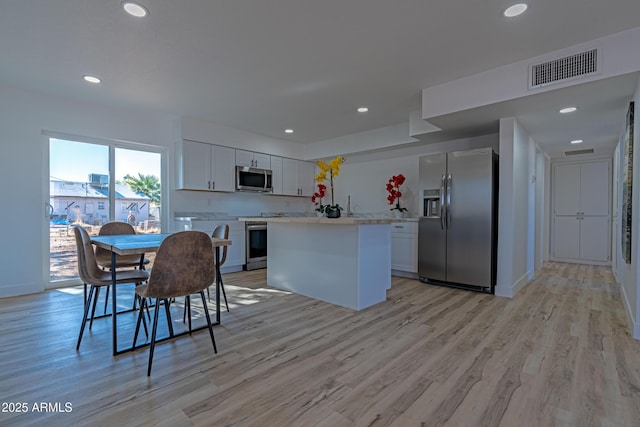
<point x="209" y="185"/>
<point x="213" y="185"/>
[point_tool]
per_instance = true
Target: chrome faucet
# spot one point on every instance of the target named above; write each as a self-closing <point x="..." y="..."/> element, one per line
<point x="349" y="213"/>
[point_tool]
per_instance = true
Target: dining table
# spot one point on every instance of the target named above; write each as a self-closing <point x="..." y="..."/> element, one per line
<point x="138" y="244"/>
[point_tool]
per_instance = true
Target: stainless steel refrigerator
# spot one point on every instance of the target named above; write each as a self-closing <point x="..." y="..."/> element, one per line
<point x="457" y="239"/>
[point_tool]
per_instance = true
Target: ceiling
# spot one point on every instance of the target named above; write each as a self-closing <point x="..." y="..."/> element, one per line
<point x="264" y="66"/>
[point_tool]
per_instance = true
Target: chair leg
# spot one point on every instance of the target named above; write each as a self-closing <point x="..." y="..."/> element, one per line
<point x="95" y="303"/>
<point x="187" y="303"/>
<point x="140" y="318"/>
<point x="87" y="304"/>
<point x="153" y="335"/>
<point x="166" y="309"/>
<point x="189" y="310"/>
<point x="206" y="313"/>
<point x="224" y="293"/>
<point x="106" y="300"/>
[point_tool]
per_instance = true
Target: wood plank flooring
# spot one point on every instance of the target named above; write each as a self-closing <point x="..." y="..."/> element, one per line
<point x="559" y="354"/>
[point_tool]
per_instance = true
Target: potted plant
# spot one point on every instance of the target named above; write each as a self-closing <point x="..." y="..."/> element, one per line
<point x="393" y="188"/>
<point x="317" y="199"/>
<point x="332" y="169"/>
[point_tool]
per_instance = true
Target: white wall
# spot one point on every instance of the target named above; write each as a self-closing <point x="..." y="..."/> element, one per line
<point x="628" y="273"/>
<point x="365" y="176"/>
<point x="620" y="54"/>
<point x="514" y="215"/>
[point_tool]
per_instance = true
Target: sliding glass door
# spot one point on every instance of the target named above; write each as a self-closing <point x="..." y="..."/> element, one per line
<point x="91" y="184"/>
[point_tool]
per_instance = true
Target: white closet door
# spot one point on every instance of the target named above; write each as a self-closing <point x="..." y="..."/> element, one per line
<point x="566" y="237"/>
<point x="594" y="238"/>
<point x="594" y="188"/>
<point x="567" y="189"/>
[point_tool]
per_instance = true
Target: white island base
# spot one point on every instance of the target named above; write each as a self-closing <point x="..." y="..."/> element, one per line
<point x="347" y="263"/>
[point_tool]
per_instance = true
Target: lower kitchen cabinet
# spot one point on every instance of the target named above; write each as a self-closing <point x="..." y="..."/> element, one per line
<point x="404" y="246"/>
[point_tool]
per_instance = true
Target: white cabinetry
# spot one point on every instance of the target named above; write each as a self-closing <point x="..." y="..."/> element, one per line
<point x="205" y="167"/>
<point x="581" y="213"/>
<point x="253" y="160"/>
<point x="404" y="246"/>
<point x="276" y="174"/>
<point x="236" y="251"/>
<point x="296" y="177"/>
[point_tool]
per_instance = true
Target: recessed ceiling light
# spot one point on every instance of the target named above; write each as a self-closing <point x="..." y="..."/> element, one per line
<point x="515" y="10"/>
<point x="568" y="110"/>
<point x="134" y="9"/>
<point x="576" y="141"/>
<point x="288" y="131"/>
<point x="363" y="109"/>
<point x="92" y="79"/>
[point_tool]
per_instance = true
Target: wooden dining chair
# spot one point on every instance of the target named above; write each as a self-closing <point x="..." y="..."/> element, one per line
<point x="184" y="265"/>
<point x="91" y="274"/>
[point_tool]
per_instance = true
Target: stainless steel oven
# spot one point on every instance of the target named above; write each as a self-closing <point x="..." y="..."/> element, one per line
<point x="256" y="245"/>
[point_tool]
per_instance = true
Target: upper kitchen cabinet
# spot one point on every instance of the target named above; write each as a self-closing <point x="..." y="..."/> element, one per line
<point x="297" y="177"/>
<point x="253" y="160"/>
<point x="205" y="167"/>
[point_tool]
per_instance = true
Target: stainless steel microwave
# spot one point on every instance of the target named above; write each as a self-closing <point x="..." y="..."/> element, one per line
<point x="253" y="179"/>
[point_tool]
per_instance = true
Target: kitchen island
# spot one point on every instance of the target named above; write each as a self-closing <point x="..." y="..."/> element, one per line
<point x="344" y="261"/>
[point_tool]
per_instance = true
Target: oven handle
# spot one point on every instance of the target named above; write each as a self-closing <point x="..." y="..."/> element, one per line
<point x="256" y="227"/>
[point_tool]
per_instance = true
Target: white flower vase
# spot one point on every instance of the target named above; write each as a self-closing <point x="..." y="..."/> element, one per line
<point x="398" y="214"/>
<point x="319" y="214"/>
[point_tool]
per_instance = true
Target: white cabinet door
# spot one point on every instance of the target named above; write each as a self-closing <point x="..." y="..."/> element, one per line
<point x="566" y="237"/>
<point x="567" y="189"/>
<point x="252" y="159"/>
<point x="262" y="161"/>
<point x="594" y="238"/>
<point x="276" y="174"/>
<point x="306" y="178"/>
<point x="235" y="252"/>
<point x="290" y="177"/>
<point x="222" y="170"/>
<point x="404" y="247"/>
<point x="244" y="158"/>
<point x="195" y="166"/>
<point x="594" y="188"/>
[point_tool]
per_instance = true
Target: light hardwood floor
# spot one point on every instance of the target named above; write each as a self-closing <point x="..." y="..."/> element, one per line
<point x="560" y="353"/>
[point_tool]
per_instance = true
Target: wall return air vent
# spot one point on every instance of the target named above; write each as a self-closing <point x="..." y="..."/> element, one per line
<point x="579" y="152"/>
<point x="563" y="69"/>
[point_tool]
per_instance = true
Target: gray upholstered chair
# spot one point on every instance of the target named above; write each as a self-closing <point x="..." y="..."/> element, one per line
<point x="184" y="265"/>
<point x="91" y="274"/>
<point x="103" y="256"/>
<point x="222" y="232"/>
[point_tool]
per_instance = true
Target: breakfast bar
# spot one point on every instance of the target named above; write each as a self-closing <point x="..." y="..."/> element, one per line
<point x="344" y="261"/>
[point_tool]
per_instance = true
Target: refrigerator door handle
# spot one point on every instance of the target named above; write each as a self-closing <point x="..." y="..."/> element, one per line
<point x="448" y="200"/>
<point x="442" y="196"/>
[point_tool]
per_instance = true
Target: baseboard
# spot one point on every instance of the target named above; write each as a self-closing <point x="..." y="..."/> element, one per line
<point x="633" y="323"/>
<point x="21" y="289"/>
<point x="580" y="261"/>
<point x="511" y="291"/>
<point x="406" y="274"/>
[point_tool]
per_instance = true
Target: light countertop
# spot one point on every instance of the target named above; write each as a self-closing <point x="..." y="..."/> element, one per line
<point x="323" y="220"/>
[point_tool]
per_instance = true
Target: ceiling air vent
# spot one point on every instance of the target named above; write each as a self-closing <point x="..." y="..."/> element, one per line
<point x="579" y="152"/>
<point x="562" y="69"/>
